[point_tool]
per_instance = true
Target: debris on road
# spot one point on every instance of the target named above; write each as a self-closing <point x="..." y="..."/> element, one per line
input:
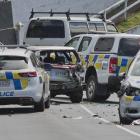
<point x="64" y="116"/>
<point x="136" y="122"/>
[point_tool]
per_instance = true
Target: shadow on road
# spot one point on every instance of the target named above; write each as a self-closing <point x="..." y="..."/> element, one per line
<point x="16" y="110"/>
<point x="60" y="100"/>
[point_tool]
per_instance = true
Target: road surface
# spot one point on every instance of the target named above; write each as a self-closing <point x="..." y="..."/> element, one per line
<point x="66" y="121"/>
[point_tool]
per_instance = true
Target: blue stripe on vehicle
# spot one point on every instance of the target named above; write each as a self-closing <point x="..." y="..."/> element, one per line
<point x="107" y="56"/>
<point x="17" y="84"/>
<point x="136" y="98"/>
<point x="86" y="58"/>
<point x="95" y="58"/>
<point x="9" y="75"/>
<point x="124" y="62"/>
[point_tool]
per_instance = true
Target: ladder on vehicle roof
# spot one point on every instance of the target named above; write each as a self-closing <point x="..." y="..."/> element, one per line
<point x="68" y="13"/>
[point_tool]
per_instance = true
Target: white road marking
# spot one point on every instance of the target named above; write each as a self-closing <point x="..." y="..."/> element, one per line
<point x="106" y="121"/>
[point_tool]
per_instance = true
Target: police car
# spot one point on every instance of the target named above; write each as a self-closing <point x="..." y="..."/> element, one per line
<point x="104" y="57"/>
<point x="65" y="70"/>
<point x="129" y="93"/>
<point x="22" y="80"/>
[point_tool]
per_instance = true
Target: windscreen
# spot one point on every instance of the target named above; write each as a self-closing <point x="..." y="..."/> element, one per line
<point x="13" y="63"/>
<point x="136" y="68"/>
<point x="46" y="29"/>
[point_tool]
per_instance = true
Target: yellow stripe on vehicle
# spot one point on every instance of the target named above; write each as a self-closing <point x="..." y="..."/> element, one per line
<point x="3" y="76"/>
<point x="101" y="56"/>
<point x="98" y="65"/>
<point x="119" y="61"/>
<point x="16" y="75"/>
<point x="24" y="83"/>
<point x="128" y="98"/>
<point x="90" y="59"/>
<point x="123" y="69"/>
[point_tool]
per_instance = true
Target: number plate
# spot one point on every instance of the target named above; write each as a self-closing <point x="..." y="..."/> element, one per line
<point x="58" y="74"/>
<point x="4" y="83"/>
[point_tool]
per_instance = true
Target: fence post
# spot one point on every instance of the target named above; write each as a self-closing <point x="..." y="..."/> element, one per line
<point x="125" y="6"/>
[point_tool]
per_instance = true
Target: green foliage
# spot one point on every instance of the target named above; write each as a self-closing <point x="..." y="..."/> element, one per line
<point x="132" y="21"/>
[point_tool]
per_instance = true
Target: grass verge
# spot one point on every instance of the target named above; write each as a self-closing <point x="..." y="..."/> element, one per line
<point x="132" y="21"/>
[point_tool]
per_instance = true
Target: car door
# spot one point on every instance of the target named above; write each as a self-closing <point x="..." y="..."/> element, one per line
<point x="83" y="48"/>
<point x="74" y="42"/>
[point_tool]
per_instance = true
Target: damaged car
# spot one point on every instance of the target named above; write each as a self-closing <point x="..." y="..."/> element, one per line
<point x="65" y="70"/>
<point x="129" y="93"/>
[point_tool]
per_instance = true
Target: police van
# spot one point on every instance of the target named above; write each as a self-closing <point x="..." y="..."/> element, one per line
<point x="56" y="28"/>
<point x="105" y="57"/>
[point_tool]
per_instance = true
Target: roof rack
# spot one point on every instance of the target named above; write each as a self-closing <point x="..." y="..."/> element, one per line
<point x="68" y="14"/>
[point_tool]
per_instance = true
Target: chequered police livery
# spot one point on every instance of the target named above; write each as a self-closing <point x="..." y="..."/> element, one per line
<point x="19" y="83"/>
<point x="96" y="60"/>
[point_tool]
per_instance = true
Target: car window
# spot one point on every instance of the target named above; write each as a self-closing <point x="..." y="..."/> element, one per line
<point x="73" y="42"/>
<point x="84" y="44"/>
<point x="136" y="68"/>
<point x="104" y="44"/>
<point x="46" y="29"/>
<point x="96" y="27"/>
<point x="111" y="28"/>
<point x="13" y="63"/>
<point x="78" y="28"/>
<point x="33" y="61"/>
<point x="129" y="47"/>
<point x="62" y="57"/>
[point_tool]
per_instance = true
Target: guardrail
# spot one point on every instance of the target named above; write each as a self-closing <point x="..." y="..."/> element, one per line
<point x="120" y="8"/>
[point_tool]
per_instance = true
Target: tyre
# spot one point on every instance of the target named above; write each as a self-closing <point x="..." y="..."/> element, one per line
<point x="76" y="97"/>
<point x="123" y="120"/>
<point x="52" y="95"/>
<point x="47" y="103"/>
<point x="39" y="107"/>
<point x="93" y="89"/>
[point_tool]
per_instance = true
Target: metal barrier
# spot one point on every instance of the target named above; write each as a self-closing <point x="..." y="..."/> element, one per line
<point x="121" y="7"/>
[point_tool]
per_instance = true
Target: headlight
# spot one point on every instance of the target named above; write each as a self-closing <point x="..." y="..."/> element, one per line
<point x="137" y="92"/>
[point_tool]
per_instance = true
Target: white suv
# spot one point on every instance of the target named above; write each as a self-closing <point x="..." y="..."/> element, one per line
<point x="104" y="57"/>
<point x="58" y="27"/>
<point x="22" y="80"/>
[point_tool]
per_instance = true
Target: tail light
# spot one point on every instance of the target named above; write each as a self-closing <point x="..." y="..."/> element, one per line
<point x="28" y="74"/>
<point x="113" y="65"/>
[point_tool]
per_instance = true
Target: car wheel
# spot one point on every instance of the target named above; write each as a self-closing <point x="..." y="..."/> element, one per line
<point x="52" y="95"/>
<point x="76" y="97"/>
<point x="47" y="103"/>
<point x="123" y="120"/>
<point x="39" y="107"/>
<point x="93" y="89"/>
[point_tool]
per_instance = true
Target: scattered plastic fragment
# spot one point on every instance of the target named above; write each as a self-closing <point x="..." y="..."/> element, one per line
<point x="77" y="118"/>
<point x="136" y="122"/>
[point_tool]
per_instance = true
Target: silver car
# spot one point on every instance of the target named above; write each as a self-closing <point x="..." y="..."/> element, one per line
<point x="129" y="93"/>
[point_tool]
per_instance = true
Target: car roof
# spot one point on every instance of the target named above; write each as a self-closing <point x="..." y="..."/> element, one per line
<point x="117" y="35"/>
<point x="53" y="48"/>
<point x="15" y="52"/>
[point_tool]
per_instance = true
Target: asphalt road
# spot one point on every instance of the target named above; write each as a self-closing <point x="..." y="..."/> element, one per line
<point x="66" y="121"/>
